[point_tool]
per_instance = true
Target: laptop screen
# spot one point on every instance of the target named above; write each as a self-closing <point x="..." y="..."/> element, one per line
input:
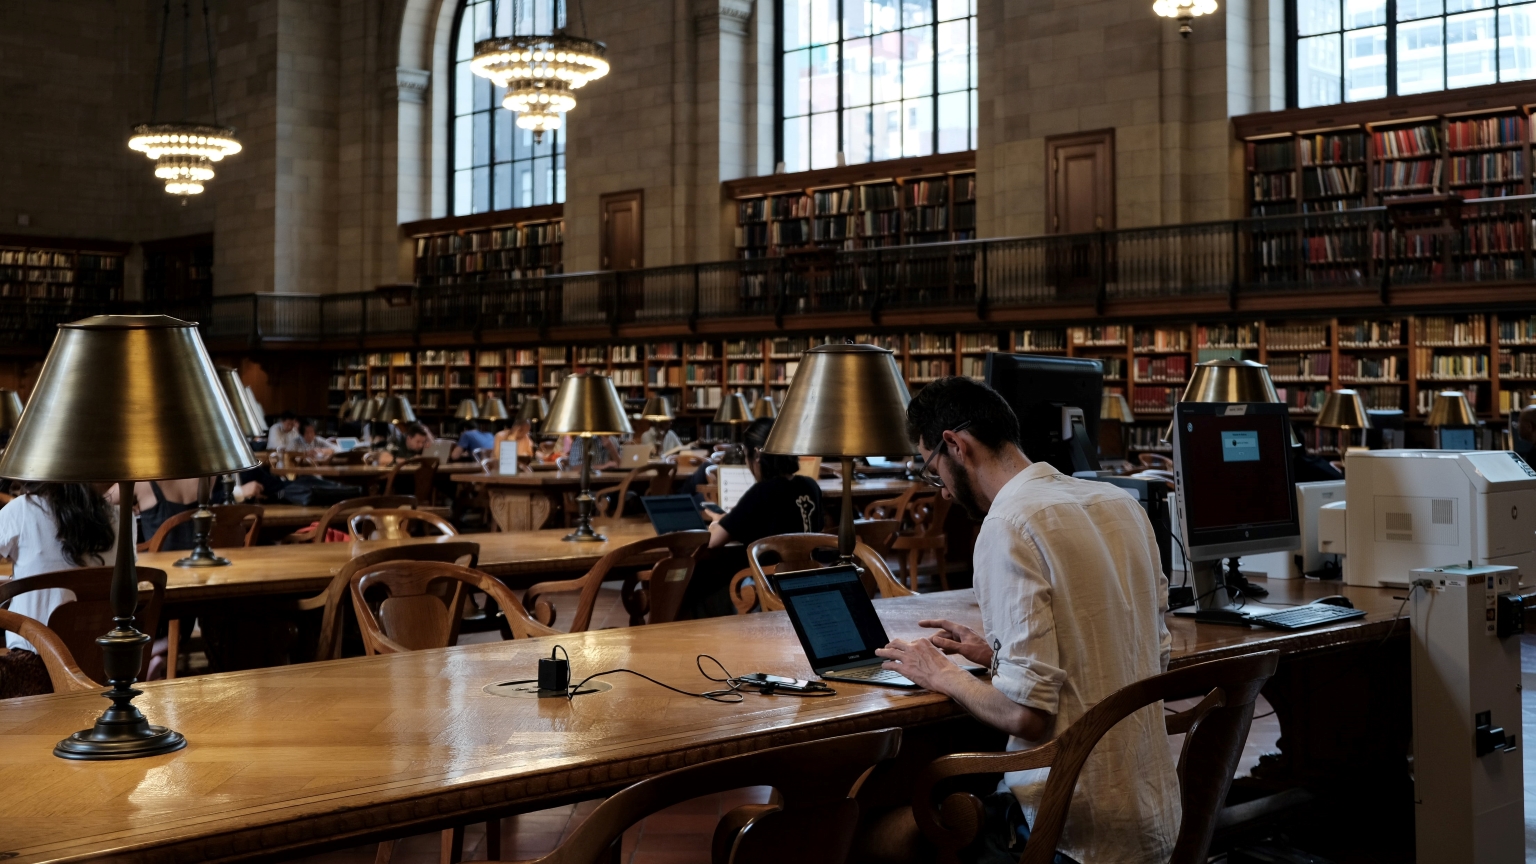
<point x="833" y="617"/>
<point x="671" y="513"/>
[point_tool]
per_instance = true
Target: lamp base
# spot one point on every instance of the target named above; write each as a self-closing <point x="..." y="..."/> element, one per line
<point x="108" y="740"/>
<point x="585" y="534"/>
<point x="196" y="560"/>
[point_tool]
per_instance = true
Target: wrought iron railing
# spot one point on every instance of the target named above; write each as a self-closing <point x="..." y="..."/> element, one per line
<point x="1413" y="242"/>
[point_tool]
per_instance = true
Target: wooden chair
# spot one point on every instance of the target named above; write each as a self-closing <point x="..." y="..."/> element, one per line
<point x="616" y="497"/>
<point x="80" y="622"/>
<point x="1215" y="731"/>
<point x="927" y="514"/>
<point x="328" y="645"/>
<point x="396" y="524"/>
<point x="63" y="671"/>
<point x="892" y="508"/>
<point x="342" y="509"/>
<point x="424" y="482"/>
<point x="233" y="525"/>
<point x="687" y="462"/>
<point x="1155" y="461"/>
<point x="410" y="618"/>
<point x="797" y="552"/>
<point x="673" y="548"/>
<point x="813" y="817"/>
<point x="877" y="534"/>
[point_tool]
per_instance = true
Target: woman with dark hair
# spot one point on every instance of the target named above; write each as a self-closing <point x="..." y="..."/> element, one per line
<point x="53" y="526"/>
<point x="780" y="502"/>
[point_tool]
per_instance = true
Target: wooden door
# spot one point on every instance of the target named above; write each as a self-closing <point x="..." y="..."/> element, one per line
<point x="623" y="239"/>
<point x="1080" y="188"/>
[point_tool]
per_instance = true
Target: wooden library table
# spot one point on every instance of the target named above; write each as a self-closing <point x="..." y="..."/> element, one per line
<point x="325" y="755"/>
<point x="295" y="516"/>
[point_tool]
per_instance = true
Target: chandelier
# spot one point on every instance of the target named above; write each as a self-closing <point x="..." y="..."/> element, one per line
<point x="1184" y="11"/>
<point x="184" y="151"/>
<point x="539" y="72"/>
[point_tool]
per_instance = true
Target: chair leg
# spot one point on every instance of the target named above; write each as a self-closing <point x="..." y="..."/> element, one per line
<point x="172" y="647"/>
<point x="385" y="853"/>
<point x="452" y="845"/>
<point x="914" y="565"/>
<point x="493" y="840"/>
<point x="943" y="555"/>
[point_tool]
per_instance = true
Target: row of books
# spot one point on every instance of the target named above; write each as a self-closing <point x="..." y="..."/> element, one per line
<point x="1160" y="370"/>
<point x="1272" y="155"/>
<point x="37" y="274"/>
<point x="744" y="373"/>
<point x="1112" y="335"/>
<point x="1411" y="174"/>
<point x="36" y="258"/>
<point x="1431" y="365"/>
<point x="1426" y="399"/>
<point x="832" y="201"/>
<point x="1296" y="336"/>
<point x="1484" y="132"/>
<point x="1114" y="367"/>
<point x="1154" y="400"/>
<point x="1382" y="398"/>
<point x="1333" y="181"/>
<point x="1147" y="439"/>
<point x="1402" y="143"/>
<point x="926" y="193"/>
<point x="1515" y="400"/>
<point x="1302" y="400"/>
<point x="746" y="349"/>
<point x="1332" y="149"/>
<point x="928" y="369"/>
<point x="1354" y="368"/>
<point x="1301" y="366"/>
<point x="592" y="355"/>
<point x="1370" y="334"/>
<point x="1161" y="339"/>
<point x="699" y="373"/>
<point x="925" y="219"/>
<point x="1227" y="336"/>
<point x="973" y="367"/>
<point x="1046" y="340"/>
<point x="930" y="342"/>
<point x="1274" y="187"/>
<point x="1506" y="165"/>
<point x="514" y="237"/>
<point x="1480" y="237"/>
<point x="1447" y="330"/>
<point x="1517" y="331"/>
<point x="1520" y="365"/>
<point x="630" y="377"/>
<point x="978" y="342"/>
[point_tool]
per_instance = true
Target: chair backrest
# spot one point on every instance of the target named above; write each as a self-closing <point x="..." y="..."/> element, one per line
<point x="877" y="534"/>
<point x="1155" y="460"/>
<point x="927" y="513"/>
<point x="411" y="617"/>
<point x="233" y="525"/>
<point x="892" y="508"/>
<point x="79" y="623"/>
<point x="426" y="478"/>
<point x="813" y="816"/>
<point x="396" y="524"/>
<point x="63" y="671"/>
<point x="328" y="646"/>
<point x="641" y="553"/>
<point x="660" y="477"/>
<point x="1216" y="729"/>
<point x="796" y="552"/>
<point x="687" y="463"/>
<point x="342" y="509"/>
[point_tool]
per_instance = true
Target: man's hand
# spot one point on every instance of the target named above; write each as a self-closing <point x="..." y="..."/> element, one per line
<point x="959" y="639"/>
<point x="921" y="662"/>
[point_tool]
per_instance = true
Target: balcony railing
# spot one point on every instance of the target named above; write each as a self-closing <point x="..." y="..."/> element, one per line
<point x="1415" y="242"/>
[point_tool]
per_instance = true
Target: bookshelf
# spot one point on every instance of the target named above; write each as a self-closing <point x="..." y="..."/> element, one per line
<point x="179" y="268"/>
<point x="59" y="268"/>
<point x="488" y="247"/>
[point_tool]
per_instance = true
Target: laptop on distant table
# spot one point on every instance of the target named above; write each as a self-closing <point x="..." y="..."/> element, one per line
<point x="634" y="455"/>
<point x="837" y="624"/>
<point x="673" y="513"/>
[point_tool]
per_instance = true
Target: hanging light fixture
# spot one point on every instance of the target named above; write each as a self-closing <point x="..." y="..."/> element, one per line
<point x="539" y="72"/>
<point x="1184" y="11"/>
<point x="184" y="151"/>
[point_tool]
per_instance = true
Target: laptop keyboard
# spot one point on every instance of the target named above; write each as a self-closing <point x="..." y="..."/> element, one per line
<point x="871" y="673"/>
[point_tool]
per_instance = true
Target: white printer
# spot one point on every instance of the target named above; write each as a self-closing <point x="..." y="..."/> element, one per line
<point x="1407" y="509"/>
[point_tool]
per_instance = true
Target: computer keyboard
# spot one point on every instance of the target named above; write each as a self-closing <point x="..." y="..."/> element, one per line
<point x="871" y="673"/>
<point x="1301" y="617"/>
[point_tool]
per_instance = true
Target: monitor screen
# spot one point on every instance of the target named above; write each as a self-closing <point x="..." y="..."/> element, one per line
<point x="833" y="617"/>
<point x="1458" y="439"/>
<point x="671" y="513"/>
<point x="1233" y="470"/>
<point x="1037" y="389"/>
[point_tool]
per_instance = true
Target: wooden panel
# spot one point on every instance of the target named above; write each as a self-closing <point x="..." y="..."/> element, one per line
<point x="623" y="237"/>
<point x="1080" y="182"/>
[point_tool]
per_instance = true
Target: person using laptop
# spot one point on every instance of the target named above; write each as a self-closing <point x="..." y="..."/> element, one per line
<point x="661" y="437"/>
<point x="471" y="438"/>
<point x="1072" y="600"/>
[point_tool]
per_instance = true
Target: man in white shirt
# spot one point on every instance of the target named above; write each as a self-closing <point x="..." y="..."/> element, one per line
<point x="1072" y="600"/>
<point x="661" y="437"/>
<point x="284" y="436"/>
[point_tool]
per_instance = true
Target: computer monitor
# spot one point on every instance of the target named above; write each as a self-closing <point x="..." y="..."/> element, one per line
<point x="1523" y="448"/>
<point x="1057" y="403"/>
<point x="1236" y="490"/>
<point x="1386" y="432"/>
<point x="1456" y="438"/>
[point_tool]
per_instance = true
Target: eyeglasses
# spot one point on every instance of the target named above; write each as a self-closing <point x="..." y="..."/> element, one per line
<point x="930" y="475"/>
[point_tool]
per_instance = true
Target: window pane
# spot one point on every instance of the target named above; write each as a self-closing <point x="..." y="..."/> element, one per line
<point x="917" y="62"/>
<point x="824" y="78"/>
<point x="522" y="184"/>
<point x="463" y="134"/>
<point x="797" y="24"/>
<point x="1316" y="16"/>
<point x="501" y="181"/>
<point x="502" y="121"/>
<point x="481" y="200"/>
<point x="1420" y="57"/>
<point x="856" y="72"/>
<point x="1467" y="5"/>
<point x="1517" y="45"/>
<point x="545" y="147"/>
<point x="885" y="67"/>
<point x="856" y="135"/>
<point x="543" y="180"/>
<point x="466" y="48"/>
<point x="1318" y="71"/>
<point x="797" y="156"/>
<point x="1407" y="10"/>
<point x="1469" y="49"/>
<point x="855" y="18"/>
<point x="916" y="12"/>
<point x="917" y="127"/>
<point x="463" y="89"/>
<point x="797" y="83"/>
<point x="481" y="87"/>
<point x="824" y="140"/>
<point x="954" y="122"/>
<point x="480" y="139"/>
<point x="560" y="179"/>
<point x="885" y="123"/>
<point x="482" y="13"/>
<point x="823" y="22"/>
<point x="884" y="15"/>
<point x="953" y="9"/>
<point x="462" y="186"/>
<point x="1365" y="64"/>
<point x="974" y="64"/>
<point x="954" y="56"/>
<point x="975" y="119"/>
<point x="1364" y="13"/>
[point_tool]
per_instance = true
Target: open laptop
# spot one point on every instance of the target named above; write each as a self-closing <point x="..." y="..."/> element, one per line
<point x="634" y="455"/>
<point x="345" y="444"/>
<point x="837" y="624"/>
<point x="672" y="513"/>
<point x="442" y="451"/>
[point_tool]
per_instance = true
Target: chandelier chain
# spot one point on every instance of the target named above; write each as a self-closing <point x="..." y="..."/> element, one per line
<point x="213" y="83"/>
<point x="186" y="58"/>
<point x="165" y="26"/>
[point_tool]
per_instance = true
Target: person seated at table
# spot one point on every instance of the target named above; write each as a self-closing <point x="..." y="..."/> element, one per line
<point x="547" y="453"/>
<point x="605" y="452"/>
<point x="471" y="438"/>
<point x="1072" y="600"/>
<point x="316" y="447"/>
<point x="410" y="443"/>
<point x="284" y="436"/>
<point x="661" y="437"/>
<point x="50" y="527"/>
<point x="518" y="433"/>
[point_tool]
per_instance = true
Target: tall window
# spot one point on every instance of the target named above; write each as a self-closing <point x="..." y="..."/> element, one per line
<point x="875" y="79"/>
<point x="497" y="166"/>
<point x="1349" y="50"/>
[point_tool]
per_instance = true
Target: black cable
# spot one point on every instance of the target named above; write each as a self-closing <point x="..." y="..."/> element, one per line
<point x="1417" y="584"/>
<point x="165" y="25"/>
<point x="186" y="55"/>
<point x="213" y="84"/>
<point x="1183" y="554"/>
<point x="732" y="688"/>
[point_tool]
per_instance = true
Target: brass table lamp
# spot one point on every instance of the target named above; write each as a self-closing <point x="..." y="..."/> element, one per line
<point x="846" y="401"/>
<point x="111" y="387"/>
<point x="533" y="410"/>
<point x="733" y="410"/>
<point x="344" y="413"/>
<point x="396" y="410"/>
<point x="494" y="409"/>
<point x="10" y="410"/>
<point x="1344" y="410"/>
<point x="1229" y="380"/>
<point x="467" y="410"/>
<point x="586" y="405"/>
<point x="764" y="407"/>
<point x="657" y="408"/>
<point x="1450" y="410"/>
<point x="249" y="422"/>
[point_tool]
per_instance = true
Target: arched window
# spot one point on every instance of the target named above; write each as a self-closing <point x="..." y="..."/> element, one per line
<point x="875" y="79"/>
<point x="494" y="164"/>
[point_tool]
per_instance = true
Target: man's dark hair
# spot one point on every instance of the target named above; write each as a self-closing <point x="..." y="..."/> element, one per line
<point x="948" y="402"/>
<point x="468" y="426"/>
<point x="287" y="415"/>
<point x="411" y="430"/>
<point x="768" y="464"/>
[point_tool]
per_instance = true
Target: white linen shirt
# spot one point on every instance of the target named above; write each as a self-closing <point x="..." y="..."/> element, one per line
<point x="280" y="439"/>
<point x="1072" y="599"/>
<point x="30" y="540"/>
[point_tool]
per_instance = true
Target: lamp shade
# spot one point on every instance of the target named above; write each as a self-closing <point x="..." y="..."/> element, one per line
<point x="1114" y="407"/>
<point x="845" y="401"/>
<point x="657" y="408"/>
<point x="1450" y="409"/>
<point x="251" y="425"/>
<point x="1343" y="409"/>
<point x="467" y="410"/>
<point x="494" y="409"/>
<point x="1230" y="380"/>
<point x="733" y="409"/>
<point x="587" y="404"/>
<point x="10" y="410"/>
<point x="533" y="410"/>
<point x="373" y="408"/>
<point x="344" y="413"/>
<point x="396" y="409"/>
<point x="126" y="397"/>
<point x="764" y="407"/>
